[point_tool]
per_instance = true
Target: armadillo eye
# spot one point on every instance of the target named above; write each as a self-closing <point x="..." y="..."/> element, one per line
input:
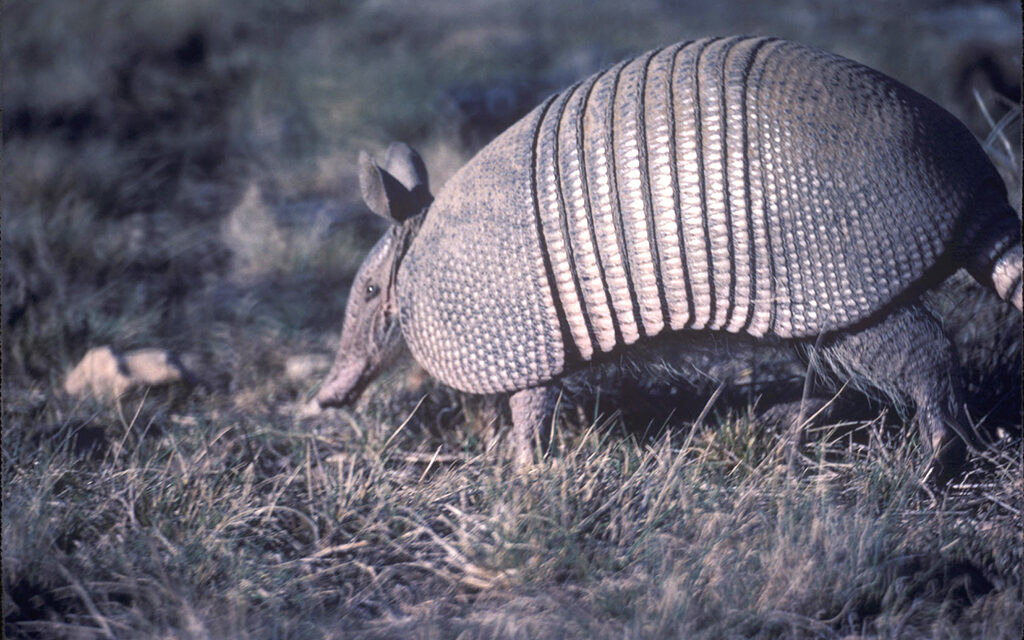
<point x="371" y="291"/>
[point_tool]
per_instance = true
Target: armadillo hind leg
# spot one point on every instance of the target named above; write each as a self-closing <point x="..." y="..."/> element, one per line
<point x="906" y="357"/>
<point x="532" y="410"/>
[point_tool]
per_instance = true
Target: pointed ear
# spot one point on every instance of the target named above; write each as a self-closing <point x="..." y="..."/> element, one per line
<point x="404" y="163"/>
<point x="382" y="192"/>
<point x="386" y="195"/>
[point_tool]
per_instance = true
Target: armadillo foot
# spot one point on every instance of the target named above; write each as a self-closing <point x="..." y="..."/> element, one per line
<point x="532" y="410"/>
<point x="947" y="460"/>
<point x="947" y="449"/>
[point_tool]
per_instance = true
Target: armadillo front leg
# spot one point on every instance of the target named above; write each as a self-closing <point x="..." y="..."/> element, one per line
<point x="532" y="410"/>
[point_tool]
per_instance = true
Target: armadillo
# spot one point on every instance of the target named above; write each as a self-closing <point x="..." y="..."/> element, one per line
<point x="725" y="186"/>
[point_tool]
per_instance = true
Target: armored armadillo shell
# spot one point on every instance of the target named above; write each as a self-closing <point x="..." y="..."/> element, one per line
<point x="744" y="184"/>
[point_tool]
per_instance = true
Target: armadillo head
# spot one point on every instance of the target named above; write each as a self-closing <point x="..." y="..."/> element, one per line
<point x="370" y="335"/>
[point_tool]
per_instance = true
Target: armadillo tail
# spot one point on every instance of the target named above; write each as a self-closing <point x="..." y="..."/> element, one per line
<point x="997" y="264"/>
<point x="1006" y="275"/>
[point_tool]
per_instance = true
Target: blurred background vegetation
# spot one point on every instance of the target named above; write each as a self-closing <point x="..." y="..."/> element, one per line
<point x="133" y="129"/>
<point x="181" y="174"/>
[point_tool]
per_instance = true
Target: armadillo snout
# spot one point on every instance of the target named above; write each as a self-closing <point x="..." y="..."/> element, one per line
<point x="343" y="384"/>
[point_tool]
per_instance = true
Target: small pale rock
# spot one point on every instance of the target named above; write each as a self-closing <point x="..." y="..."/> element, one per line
<point x="106" y="373"/>
<point x="306" y="366"/>
<point x="153" y="367"/>
<point x="101" y="373"/>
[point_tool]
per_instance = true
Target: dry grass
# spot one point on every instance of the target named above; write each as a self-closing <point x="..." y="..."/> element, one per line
<point x="224" y="524"/>
<point x="184" y="179"/>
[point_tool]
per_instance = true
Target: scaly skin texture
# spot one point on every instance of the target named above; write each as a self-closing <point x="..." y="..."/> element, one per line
<point x="735" y="185"/>
<point x="744" y="184"/>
